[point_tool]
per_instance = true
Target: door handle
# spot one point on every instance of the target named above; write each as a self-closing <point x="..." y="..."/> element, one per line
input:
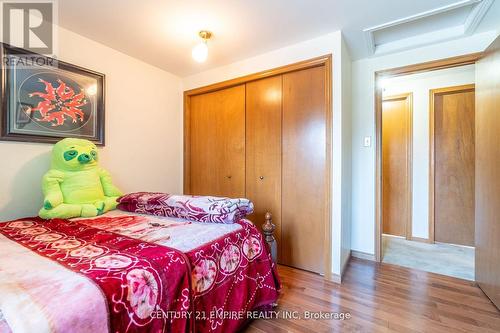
<point x="261" y="177"/>
<point x="228" y="177"/>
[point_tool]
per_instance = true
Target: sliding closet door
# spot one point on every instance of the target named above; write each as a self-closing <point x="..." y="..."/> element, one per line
<point x="304" y="179"/>
<point x="217" y="143"/>
<point x="263" y="150"/>
<point x="487" y="188"/>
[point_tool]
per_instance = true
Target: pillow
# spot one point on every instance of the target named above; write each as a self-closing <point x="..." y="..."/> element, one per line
<point x="195" y="208"/>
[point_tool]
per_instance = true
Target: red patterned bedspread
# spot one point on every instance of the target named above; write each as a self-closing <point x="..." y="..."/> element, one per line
<point x="231" y="276"/>
<point x="92" y="276"/>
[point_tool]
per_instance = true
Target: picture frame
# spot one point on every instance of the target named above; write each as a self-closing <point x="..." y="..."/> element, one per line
<point x="48" y="100"/>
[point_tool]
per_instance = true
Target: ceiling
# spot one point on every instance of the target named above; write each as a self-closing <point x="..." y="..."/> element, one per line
<point x="162" y="32"/>
<point x="452" y="21"/>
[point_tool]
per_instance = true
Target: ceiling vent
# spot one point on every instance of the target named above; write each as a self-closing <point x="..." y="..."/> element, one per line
<point x="437" y="25"/>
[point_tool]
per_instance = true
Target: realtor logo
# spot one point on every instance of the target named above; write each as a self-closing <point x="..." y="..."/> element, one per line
<point x="29" y="25"/>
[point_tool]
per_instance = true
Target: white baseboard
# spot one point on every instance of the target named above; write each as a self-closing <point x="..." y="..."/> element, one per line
<point x="394" y="236"/>
<point x="336" y="278"/>
<point x="363" y="255"/>
<point x="342" y="269"/>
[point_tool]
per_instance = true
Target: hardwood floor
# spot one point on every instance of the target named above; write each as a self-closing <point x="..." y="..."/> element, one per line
<point x="382" y="298"/>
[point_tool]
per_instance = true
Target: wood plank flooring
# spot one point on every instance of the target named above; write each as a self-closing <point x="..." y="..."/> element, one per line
<point x="382" y="298"/>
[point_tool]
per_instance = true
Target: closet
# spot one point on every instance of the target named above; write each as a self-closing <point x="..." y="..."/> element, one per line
<point x="218" y="143"/>
<point x="263" y="150"/>
<point x="265" y="137"/>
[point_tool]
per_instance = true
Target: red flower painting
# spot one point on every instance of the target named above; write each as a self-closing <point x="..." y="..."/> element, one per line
<point x="58" y="104"/>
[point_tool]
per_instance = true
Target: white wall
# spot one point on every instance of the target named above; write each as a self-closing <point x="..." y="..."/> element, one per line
<point x="420" y="84"/>
<point x="346" y="157"/>
<point x="143" y="130"/>
<point x="363" y="124"/>
<point x="327" y="44"/>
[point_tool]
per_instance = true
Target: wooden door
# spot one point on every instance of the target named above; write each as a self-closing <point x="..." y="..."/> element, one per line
<point x="304" y="178"/>
<point x="452" y="110"/>
<point x="263" y="150"/>
<point x="396" y="165"/>
<point x="217" y="143"/>
<point x="487" y="188"/>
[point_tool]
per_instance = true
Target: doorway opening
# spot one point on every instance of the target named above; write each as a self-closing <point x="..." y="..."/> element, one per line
<point x="425" y="166"/>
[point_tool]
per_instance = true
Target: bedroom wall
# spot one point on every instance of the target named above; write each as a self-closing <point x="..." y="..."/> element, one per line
<point x="143" y="130"/>
<point x="420" y="84"/>
<point x="326" y="44"/>
<point x="363" y="124"/>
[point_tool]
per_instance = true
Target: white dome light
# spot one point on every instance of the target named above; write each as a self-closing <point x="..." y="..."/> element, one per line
<point x="200" y="52"/>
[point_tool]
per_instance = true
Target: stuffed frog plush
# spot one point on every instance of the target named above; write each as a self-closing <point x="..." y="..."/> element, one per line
<point x="76" y="186"/>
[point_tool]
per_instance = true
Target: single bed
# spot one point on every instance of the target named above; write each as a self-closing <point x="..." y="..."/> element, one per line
<point x="127" y="272"/>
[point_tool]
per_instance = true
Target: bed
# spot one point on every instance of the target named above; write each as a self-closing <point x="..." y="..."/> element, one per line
<point x="128" y="272"/>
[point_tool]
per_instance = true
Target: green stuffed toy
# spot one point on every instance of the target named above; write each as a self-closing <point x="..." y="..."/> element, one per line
<point x="76" y="186"/>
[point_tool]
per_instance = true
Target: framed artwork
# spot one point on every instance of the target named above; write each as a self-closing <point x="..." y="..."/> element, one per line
<point x="45" y="103"/>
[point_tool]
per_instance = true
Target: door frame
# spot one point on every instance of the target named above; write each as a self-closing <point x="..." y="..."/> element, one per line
<point x="432" y="151"/>
<point x="462" y="60"/>
<point x="325" y="61"/>
<point x="409" y="157"/>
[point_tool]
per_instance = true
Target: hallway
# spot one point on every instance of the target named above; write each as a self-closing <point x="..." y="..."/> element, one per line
<point x="446" y="259"/>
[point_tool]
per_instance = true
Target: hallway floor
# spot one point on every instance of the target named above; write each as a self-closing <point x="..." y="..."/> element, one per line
<point x="446" y="259"/>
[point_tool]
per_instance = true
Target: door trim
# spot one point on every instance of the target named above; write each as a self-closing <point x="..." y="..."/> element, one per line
<point x="467" y="59"/>
<point x="314" y="62"/>
<point x="409" y="158"/>
<point x="325" y="61"/>
<point x="432" y="151"/>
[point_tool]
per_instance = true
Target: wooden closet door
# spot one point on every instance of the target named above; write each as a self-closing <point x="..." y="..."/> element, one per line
<point x="396" y="165"/>
<point x="487" y="188"/>
<point x="454" y="165"/>
<point x="217" y="143"/>
<point x="304" y="178"/>
<point x="263" y="150"/>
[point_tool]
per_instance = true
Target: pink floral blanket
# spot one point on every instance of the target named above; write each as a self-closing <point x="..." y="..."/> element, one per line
<point x="118" y="274"/>
<point x="192" y="207"/>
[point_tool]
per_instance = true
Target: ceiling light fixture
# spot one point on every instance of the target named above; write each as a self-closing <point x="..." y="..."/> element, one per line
<point x="200" y="51"/>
